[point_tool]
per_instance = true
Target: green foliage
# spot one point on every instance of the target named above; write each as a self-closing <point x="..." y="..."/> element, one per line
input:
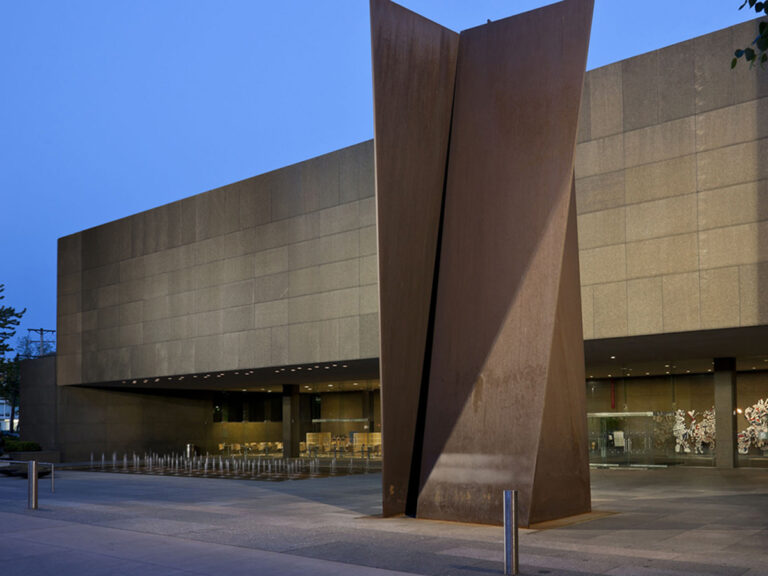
<point x="21" y="446"/>
<point x="9" y="319"/>
<point x="9" y="369"/>
<point x="10" y="377"/>
<point x="757" y="52"/>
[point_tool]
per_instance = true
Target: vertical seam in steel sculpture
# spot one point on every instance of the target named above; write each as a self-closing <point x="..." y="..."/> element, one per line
<point x="414" y="480"/>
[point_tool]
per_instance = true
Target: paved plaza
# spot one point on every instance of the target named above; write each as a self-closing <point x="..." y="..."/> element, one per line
<point x="675" y="521"/>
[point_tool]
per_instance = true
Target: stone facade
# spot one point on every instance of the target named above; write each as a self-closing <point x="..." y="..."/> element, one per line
<point x="281" y="268"/>
<point x="274" y="270"/>
<point x="671" y="187"/>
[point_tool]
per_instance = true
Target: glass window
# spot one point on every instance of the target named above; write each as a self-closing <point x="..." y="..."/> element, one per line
<point x="344" y="419"/>
<point x="248" y="423"/>
<point x="656" y="420"/>
<point x="752" y="418"/>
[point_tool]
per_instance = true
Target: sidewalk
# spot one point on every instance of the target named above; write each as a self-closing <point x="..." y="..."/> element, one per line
<point x="646" y="523"/>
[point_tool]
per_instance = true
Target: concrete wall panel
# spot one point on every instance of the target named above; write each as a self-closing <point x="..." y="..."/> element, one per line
<point x="70" y="254"/>
<point x="753" y="297"/>
<point x="253" y="347"/>
<point x="94" y="278"/>
<point x="666" y="255"/>
<point x="181" y="327"/>
<point x="610" y="310"/>
<point x="349" y="338"/>
<point x="356" y="173"/>
<point x="719" y="297"/>
<point x="369" y="336"/>
<point x="681" y="302"/>
<point x="103" y="421"/>
<point x="600" y="156"/>
<point x="273" y="313"/>
<point x="599" y="192"/>
<point x="338" y="218"/>
<point x="644" y="306"/>
<point x="255" y="202"/>
<point x="676" y="82"/>
<point x="323" y="250"/>
<point x="218" y="213"/>
<point x="148" y="285"/>
<point x="369" y="299"/>
<point x="588" y="311"/>
<point x="606" y="264"/>
<point x="368" y="242"/>
<point x="208" y="323"/>
<point x="676" y="177"/>
<point x="605" y="101"/>
<point x="660" y="218"/>
<point x="640" y="90"/>
<point x="220" y="247"/>
<point x="369" y="270"/>
<point x="585" y="113"/>
<point x="659" y="142"/>
<point x="731" y="125"/>
<point x="602" y="228"/>
<point x="271" y="261"/>
<point x="287" y="198"/>
<point x="712" y="73"/>
<point x="320" y="183"/>
<point x="276" y="234"/>
<point x="130" y="335"/>
<point x="746" y="86"/>
<point x="71" y="324"/>
<point x="733" y="165"/>
<point x="734" y="205"/>
<point x="38" y="400"/>
<point x="733" y="245"/>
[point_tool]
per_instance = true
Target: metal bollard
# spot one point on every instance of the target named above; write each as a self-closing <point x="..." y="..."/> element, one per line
<point x="32" y="492"/>
<point x="53" y="479"/>
<point x="511" y="565"/>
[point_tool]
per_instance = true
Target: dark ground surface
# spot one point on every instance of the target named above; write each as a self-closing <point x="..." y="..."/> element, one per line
<point x="675" y="521"/>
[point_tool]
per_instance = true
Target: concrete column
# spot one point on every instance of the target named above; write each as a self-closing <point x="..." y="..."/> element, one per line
<point x="725" y="408"/>
<point x="367" y="401"/>
<point x="246" y="408"/>
<point x="367" y="405"/>
<point x="291" y="421"/>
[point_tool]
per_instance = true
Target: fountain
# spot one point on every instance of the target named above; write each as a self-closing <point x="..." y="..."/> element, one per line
<point x="255" y="467"/>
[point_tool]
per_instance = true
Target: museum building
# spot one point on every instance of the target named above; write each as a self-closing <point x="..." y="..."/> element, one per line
<point x="246" y="319"/>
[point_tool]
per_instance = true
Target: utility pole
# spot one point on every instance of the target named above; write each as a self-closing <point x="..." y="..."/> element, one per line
<point x="42" y="332"/>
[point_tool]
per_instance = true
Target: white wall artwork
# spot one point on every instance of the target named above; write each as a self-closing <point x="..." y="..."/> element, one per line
<point x="693" y="430"/>
<point x="756" y="433"/>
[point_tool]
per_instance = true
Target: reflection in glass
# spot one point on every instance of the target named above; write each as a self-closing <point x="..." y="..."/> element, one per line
<point x="752" y="418"/>
<point x="651" y="420"/>
<point x="335" y="419"/>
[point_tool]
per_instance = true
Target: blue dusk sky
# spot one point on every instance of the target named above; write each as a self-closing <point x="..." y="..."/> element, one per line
<point x="108" y="108"/>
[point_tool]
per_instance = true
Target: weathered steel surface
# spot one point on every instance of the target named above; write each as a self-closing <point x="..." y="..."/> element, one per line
<point x="414" y="65"/>
<point x="488" y="337"/>
<point x="506" y="407"/>
<point x="561" y="480"/>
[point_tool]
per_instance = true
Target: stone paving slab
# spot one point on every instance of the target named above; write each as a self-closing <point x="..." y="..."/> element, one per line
<point x="673" y="522"/>
<point x="71" y="548"/>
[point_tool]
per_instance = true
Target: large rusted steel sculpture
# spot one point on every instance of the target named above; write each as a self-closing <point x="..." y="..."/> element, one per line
<point x="482" y="361"/>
